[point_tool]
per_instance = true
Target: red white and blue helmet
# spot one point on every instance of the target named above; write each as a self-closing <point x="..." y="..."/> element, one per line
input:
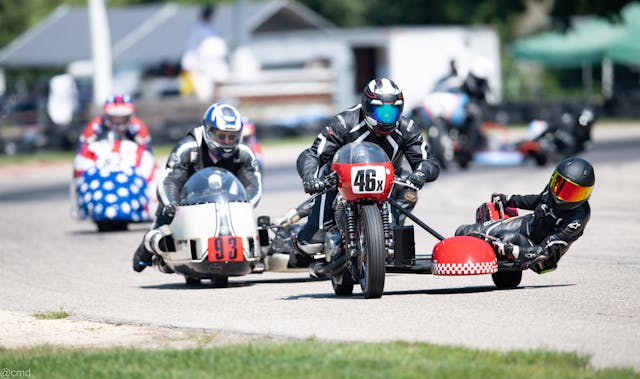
<point x="118" y="110"/>
<point x="382" y="103"/>
<point x="222" y="128"/>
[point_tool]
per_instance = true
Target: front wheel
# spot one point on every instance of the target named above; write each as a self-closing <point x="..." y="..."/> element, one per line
<point x="372" y="251"/>
<point x="507" y="279"/>
<point x="111" y="226"/>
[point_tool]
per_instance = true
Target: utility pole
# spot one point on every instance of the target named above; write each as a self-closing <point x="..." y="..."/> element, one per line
<point x="243" y="63"/>
<point x="100" y="50"/>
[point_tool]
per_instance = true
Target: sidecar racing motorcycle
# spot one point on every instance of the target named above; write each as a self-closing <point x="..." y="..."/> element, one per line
<point x="364" y="245"/>
<point x="113" y="184"/>
<point x="213" y="234"/>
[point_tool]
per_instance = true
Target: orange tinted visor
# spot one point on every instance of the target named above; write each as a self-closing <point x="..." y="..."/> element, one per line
<point x="566" y="190"/>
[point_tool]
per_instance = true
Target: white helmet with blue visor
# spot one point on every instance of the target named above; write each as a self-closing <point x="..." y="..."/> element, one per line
<point x="222" y="128"/>
<point x="382" y="104"/>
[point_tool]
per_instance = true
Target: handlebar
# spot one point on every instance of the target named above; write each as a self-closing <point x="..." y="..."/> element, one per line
<point x="404" y="182"/>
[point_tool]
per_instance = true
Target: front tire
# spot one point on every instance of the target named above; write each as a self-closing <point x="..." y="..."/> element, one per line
<point x="372" y="251"/>
<point x="507" y="279"/>
<point x="111" y="226"/>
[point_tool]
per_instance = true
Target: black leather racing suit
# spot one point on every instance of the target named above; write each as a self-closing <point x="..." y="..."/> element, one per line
<point x="349" y="126"/>
<point x="546" y="231"/>
<point x="191" y="154"/>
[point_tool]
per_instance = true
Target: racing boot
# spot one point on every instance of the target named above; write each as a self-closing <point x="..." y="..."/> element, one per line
<point x="525" y="256"/>
<point x="142" y="258"/>
<point x="312" y="247"/>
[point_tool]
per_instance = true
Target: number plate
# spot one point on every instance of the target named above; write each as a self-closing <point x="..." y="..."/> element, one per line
<point x="368" y="179"/>
<point x="225" y="249"/>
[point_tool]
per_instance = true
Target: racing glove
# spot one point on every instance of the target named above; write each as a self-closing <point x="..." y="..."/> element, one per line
<point x="417" y="179"/>
<point x="316" y="185"/>
<point x="313" y="185"/>
<point x="503" y="198"/>
<point x="169" y="210"/>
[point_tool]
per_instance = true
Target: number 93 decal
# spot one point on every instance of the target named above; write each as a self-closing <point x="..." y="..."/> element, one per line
<point x="225" y="249"/>
<point x="368" y="179"/>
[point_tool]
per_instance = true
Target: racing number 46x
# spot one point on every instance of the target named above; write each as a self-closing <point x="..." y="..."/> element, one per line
<point x="366" y="180"/>
<point x="225" y="249"/>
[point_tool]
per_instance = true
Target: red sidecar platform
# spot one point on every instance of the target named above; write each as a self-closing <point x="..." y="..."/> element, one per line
<point x="463" y="255"/>
<point x="455" y="256"/>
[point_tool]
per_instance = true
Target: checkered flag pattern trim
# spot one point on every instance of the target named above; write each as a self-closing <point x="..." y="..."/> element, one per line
<point x="478" y="268"/>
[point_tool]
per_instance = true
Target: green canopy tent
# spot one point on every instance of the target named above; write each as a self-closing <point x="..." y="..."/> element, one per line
<point x="626" y="50"/>
<point x="588" y="43"/>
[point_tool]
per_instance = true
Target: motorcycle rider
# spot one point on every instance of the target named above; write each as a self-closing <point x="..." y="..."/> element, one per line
<point x="118" y="116"/>
<point x="377" y="119"/>
<point x="560" y="214"/>
<point x="214" y="143"/>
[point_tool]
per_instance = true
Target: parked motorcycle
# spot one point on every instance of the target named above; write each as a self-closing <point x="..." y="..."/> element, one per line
<point x="213" y="234"/>
<point x="113" y="184"/>
<point x="552" y="141"/>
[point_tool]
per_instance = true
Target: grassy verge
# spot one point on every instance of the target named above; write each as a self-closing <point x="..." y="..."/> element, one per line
<point x="307" y="359"/>
<point x="40" y="157"/>
<point x="57" y="315"/>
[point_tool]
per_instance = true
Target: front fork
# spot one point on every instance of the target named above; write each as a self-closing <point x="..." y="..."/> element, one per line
<point x="386" y="225"/>
<point x="351" y="235"/>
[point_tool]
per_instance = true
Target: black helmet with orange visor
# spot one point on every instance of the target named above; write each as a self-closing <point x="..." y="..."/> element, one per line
<point x="571" y="183"/>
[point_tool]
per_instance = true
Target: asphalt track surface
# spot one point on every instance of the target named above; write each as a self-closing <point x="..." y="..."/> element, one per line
<point x="590" y="305"/>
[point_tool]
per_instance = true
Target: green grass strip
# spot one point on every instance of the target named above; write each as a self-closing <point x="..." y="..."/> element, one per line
<point x="57" y="315"/>
<point x="306" y="359"/>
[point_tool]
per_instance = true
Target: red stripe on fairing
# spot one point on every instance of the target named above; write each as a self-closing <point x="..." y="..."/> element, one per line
<point x="116" y="146"/>
<point x="152" y="174"/>
<point x="86" y="153"/>
<point x="139" y="154"/>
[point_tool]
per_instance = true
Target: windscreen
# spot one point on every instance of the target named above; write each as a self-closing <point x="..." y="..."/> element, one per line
<point x="360" y="152"/>
<point x="212" y="185"/>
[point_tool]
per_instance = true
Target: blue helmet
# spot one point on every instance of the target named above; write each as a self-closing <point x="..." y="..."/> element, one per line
<point x="222" y="128"/>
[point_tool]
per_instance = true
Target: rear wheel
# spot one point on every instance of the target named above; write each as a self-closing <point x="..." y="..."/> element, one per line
<point x="540" y="158"/>
<point x="220" y="281"/>
<point x="342" y="284"/>
<point x="191" y="281"/>
<point x="507" y="279"/>
<point x="372" y="251"/>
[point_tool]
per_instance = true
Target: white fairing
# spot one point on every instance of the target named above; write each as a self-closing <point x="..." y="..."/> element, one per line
<point x="201" y="222"/>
